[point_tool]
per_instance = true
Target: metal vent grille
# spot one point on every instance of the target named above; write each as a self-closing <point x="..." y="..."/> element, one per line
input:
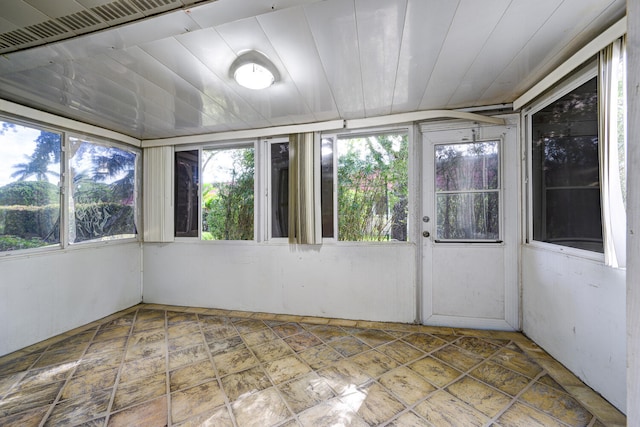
<point x="113" y="11"/>
<point x="79" y="21"/>
<point x="146" y="5"/>
<point x="46" y="29"/>
<point x="17" y="37"/>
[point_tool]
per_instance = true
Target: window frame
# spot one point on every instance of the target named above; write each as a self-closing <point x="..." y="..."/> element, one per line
<point x="409" y="129"/>
<point x="64" y="186"/>
<point x="68" y="184"/>
<point x="576" y="79"/>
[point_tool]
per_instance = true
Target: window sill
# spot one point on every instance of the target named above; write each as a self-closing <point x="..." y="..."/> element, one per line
<point x="566" y="250"/>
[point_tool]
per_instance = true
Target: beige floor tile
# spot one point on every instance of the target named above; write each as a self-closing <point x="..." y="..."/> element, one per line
<point x="331" y="413"/>
<point x="424" y="342"/>
<point x="214" y="333"/>
<point x="400" y="351"/>
<point x="186" y="356"/>
<point x="272" y="350"/>
<point x="501" y="378"/>
<point x="139" y="391"/>
<point x="286" y="369"/>
<point x="477" y="346"/>
<point x="302" y="341"/>
<point x="225" y="345"/>
<point x="328" y="333"/>
<point x="217" y="418"/>
<point x="190" y="375"/>
<point x="106" y="334"/>
<point x="409" y="419"/>
<point x="177" y="342"/>
<point x="148" y="414"/>
<point x="249" y="381"/>
<point x="378" y="405"/>
<point x="305" y="392"/>
<point x="89" y="383"/>
<point x="50" y="374"/>
<point x="14" y="365"/>
<point x="435" y="371"/>
<point x="320" y="356"/>
<point x="344" y="375"/>
<point x="195" y="400"/>
<point x="261" y="409"/>
<point x="286" y="329"/>
<point x="480" y="396"/>
<point x="409" y="386"/>
<point x="116" y="344"/>
<point x="349" y="346"/>
<point x="374" y="363"/>
<point x="557" y="404"/>
<point x="250" y="325"/>
<point x="373" y="337"/>
<point x="29" y="418"/>
<point x="75" y="411"/>
<point x="457" y="357"/>
<point x="138" y="368"/>
<point x="520" y="415"/>
<point x="518" y="362"/>
<point x="259" y="337"/>
<point x="30" y="398"/>
<point x="442" y="410"/>
<point x="99" y="361"/>
<point x="235" y="360"/>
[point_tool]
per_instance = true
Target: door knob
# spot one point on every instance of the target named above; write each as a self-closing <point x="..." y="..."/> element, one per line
<point x="426" y="234"/>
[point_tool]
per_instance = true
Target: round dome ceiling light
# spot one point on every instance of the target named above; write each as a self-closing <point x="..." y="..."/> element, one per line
<point x="253" y="70"/>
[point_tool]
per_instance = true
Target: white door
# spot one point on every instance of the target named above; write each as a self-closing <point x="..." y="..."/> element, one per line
<point x="469" y="225"/>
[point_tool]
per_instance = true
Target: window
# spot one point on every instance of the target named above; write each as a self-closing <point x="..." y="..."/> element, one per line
<point x="279" y="188"/>
<point x="186" y="200"/>
<point x="30" y="161"/>
<point x="372" y="182"/>
<point x="228" y="193"/>
<point x="102" y="202"/>
<point x="467" y="187"/>
<point x="565" y="170"/>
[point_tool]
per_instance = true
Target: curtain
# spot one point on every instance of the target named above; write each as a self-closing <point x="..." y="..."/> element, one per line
<point x="612" y="146"/>
<point x="158" y="194"/>
<point x="304" y="189"/>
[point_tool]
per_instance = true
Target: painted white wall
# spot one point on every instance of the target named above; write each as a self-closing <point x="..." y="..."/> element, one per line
<point x="45" y="294"/>
<point x="574" y="308"/>
<point x="352" y="281"/>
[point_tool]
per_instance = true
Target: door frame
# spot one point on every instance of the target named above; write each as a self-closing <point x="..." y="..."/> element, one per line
<point x="510" y="160"/>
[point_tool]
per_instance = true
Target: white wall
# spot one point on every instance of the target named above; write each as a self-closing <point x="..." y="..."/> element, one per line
<point x="352" y="281"/>
<point x="574" y="308"/>
<point x="44" y="294"/>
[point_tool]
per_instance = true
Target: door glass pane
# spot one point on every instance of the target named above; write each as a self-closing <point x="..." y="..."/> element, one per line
<point x="186" y="193"/>
<point x="228" y="193"/>
<point x="471" y="166"/>
<point x="468" y="216"/>
<point x="280" y="189"/>
<point x="467" y="182"/>
<point x="29" y="187"/>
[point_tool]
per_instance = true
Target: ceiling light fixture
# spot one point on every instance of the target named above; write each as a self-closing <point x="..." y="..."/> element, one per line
<point x="253" y="70"/>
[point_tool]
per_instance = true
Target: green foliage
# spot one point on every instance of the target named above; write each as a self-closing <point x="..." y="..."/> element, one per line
<point x="14" y="243"/>
<point x="87" y="191"/>
<point x="31" y="222"/>
<point x="373" y="188"/>
<point x="228" y="207"/>
<point x="29" y="193"/>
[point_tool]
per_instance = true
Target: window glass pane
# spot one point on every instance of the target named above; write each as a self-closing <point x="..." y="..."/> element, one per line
<point x="468" y="216"/>
<point x="280" y="189"/>
<point x="227" y="193"/>
<point x="565" y="171"/>
<point x="373" y="187"/>
<point x="102" y="204"/>
<point x="187" y="199"/>
<point x="326" y="186"/>
<point x="469" y="166"/>
<point x="29" y="187"/>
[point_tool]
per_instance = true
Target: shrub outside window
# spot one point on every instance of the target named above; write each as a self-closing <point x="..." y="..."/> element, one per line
<point x="372" y="179"/>
<point x="30" y="162"/>
<point x="103" y="192"/>
<point x="228" y="193"/>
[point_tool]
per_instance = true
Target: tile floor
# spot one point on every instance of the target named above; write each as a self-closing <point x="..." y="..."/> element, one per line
<point x="157" y="365"/>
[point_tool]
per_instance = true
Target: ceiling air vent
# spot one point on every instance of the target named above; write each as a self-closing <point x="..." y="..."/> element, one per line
<point x="47" y="29"/>
<point x="146" y="5"/>
<point x="79" y="21"/>
<point x="17" y="38"/>
<point x="116" y="10"/>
